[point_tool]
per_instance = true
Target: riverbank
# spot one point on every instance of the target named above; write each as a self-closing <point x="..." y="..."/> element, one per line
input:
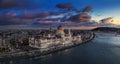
<point x="38" y="52"/>
<point x="107" y="33"/>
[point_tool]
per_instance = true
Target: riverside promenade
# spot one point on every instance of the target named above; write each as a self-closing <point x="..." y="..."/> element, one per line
<point x="38" y="52"/>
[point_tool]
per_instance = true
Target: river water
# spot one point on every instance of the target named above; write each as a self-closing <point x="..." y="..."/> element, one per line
<point x="103" y="49"/>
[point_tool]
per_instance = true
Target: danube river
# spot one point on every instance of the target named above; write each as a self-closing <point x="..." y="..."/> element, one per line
<point x="103" y="49"/>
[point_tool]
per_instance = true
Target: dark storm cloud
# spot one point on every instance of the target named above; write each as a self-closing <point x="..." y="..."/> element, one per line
<point x="35" y="15"/>
<point x="12" y="18"/>
<point x="63" y="5"/>
<point x="87" y="8"/>
<point x="80" y="17"/>
<point x="39" y="14"/>
<point x="15" y="20"/>
<point x="12" y="3"/>
<point x="25" y="17"/>
<point x="28" y="16"/>
<point x="8" y="3"/>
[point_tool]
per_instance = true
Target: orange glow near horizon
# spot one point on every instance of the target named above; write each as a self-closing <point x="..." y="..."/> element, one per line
<point x="115" y="21"/>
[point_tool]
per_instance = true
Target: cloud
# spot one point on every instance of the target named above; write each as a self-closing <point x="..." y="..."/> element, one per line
<point x="20" y="21"/>
<point x="106" y="20"/>
<point x="80" y="17"/>
<point x="39" y="14"/>
<point x="13" y="3"/>
<point x="43" y="13"/>
<point x="26" y="17"/>
<point x="16" y="21"/>
<point x="63" y="5"/>
<point x="87" y="8"/>
<point x="34" y="15"/>
<point x="12" y="18"/>
<point x="8" y="3"/>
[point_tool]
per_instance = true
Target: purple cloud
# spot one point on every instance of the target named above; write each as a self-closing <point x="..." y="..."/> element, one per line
<point x="13" y="3"/>
<point x="63" y="5"/>
<point x="87" y="8"/>
<point x="8" y="3"/>
<point x="80" y="17"/>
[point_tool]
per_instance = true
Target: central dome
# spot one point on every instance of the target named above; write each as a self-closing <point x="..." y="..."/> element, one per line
<point x="60" y="27"/>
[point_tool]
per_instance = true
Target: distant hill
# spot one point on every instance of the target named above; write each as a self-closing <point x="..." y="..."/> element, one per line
<point x="107" y="29"/>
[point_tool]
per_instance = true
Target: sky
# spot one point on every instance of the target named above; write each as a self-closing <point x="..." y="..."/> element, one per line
<point x="13" y="12"/>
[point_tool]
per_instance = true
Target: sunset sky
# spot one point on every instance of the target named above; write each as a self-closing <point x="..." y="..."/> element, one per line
<point x="28" y="11"/>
